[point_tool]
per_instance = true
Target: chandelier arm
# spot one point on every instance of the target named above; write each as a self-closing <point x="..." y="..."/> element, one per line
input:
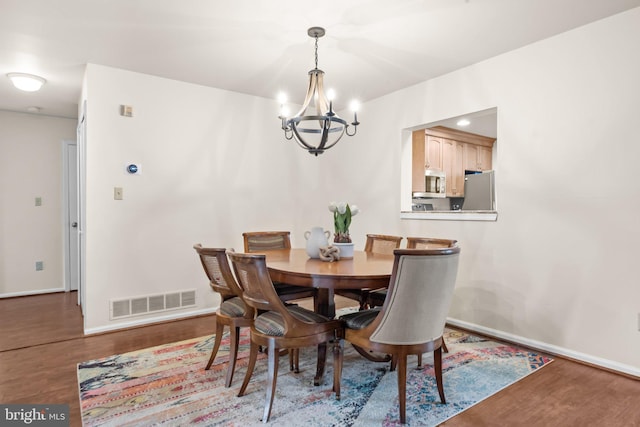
<point x="309" y="96"/>
<point x="346" y="130"/>
<point x="322" y="104"/>
<point x="288" y="134"/>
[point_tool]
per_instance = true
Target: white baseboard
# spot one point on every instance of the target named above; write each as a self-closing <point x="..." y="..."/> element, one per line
<point x="34" y="292"/>
<point x="545" y="347"/>
<point x="149" y="320"/>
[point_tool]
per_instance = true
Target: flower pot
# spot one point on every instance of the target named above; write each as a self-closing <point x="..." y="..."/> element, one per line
<point x="346" y="250"/>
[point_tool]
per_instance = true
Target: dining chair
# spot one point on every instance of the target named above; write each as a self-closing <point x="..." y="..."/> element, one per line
<point x="429" y="243"/>
<point x="375" y="244"/>
<point x="260" y="241"/>
<point x="376" y="297"/>
<point x="413" y="316"/>
<point x="232" y="311"/>
<point x="278" y="326"/>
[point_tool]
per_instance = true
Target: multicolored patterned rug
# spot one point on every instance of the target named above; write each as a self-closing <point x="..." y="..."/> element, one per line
<point x="167" y="385"/>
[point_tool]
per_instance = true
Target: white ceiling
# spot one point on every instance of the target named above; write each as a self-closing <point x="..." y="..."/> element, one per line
<point x="261" y="47"/>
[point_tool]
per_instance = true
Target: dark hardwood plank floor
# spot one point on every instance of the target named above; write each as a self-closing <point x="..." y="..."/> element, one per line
<point x="42" y="342"/>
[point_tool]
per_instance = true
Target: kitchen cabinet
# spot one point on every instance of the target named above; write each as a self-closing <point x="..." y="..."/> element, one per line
<point x="417" y="162"/>
<point x="477" y="157"/>
<point x="434" y="147"/>
<point x="453" y="165"/>
<point x="451" y="151"/>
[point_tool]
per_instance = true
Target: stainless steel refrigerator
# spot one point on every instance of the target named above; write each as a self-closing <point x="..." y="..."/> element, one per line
<point x="479" y="192"/>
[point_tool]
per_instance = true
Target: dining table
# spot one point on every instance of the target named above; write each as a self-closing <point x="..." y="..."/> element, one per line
<point x="365" y="270"/>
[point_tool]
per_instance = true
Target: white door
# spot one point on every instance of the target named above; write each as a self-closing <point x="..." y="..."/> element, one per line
<point x="72" y="255"/>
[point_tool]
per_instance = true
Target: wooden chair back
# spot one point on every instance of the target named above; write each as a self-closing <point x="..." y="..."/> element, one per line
<point x="216" y="266"/>
<point x="259" y="241"/>
<point x="382" y="244"/>
<point x="429" y="243"/>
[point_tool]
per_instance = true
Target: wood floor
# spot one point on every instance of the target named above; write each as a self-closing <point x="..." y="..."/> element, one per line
<point x="42" y="342"/>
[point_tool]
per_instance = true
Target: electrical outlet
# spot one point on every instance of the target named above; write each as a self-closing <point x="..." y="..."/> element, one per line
<point x="39" y="265"/>
<point x="117" y="193"/>
<point x="38" y="201"/>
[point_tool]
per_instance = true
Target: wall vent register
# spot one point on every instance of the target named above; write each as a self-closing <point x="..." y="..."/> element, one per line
<point x="137" y="306"/>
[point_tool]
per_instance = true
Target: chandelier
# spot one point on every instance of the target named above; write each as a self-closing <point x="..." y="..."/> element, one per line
<point x="316" y="127"/>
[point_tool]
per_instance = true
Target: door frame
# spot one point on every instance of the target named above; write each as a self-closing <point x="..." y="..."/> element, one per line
<point x="67" y="216"/>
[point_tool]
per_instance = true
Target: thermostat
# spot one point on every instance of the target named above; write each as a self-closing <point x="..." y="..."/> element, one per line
<point x="134" y="168"/>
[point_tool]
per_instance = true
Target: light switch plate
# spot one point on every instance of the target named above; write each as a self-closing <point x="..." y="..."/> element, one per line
<point x="117" y="193"/>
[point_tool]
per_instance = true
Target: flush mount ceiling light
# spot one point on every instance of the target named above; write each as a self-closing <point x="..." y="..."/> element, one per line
<point x="26" y="82"/>
<point x="316" y="127"/>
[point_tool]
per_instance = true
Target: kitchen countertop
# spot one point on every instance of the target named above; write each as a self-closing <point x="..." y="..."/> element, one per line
<point x="459" y="215"/>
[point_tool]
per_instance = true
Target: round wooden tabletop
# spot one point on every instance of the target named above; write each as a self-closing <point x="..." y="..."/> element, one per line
<point x="364" y="270"/>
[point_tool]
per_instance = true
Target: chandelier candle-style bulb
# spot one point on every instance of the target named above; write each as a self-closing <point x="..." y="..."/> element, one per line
<point x="316" y="127"/>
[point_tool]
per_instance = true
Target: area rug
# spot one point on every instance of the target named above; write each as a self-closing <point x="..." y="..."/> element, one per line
<point x="167" y="385"/>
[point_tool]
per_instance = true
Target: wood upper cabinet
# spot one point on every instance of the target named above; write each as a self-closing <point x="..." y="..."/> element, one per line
<point x="451" y="151"/>
<point x="453" y="165"/>
<point x="417" y="162"/>
<point x="477" y="157"/>
<point x="434" y="147"/>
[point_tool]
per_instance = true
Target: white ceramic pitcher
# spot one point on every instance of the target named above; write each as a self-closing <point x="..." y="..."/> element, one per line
<point x="316" y="238"/>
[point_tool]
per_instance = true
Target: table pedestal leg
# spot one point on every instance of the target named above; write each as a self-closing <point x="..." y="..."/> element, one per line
<point x="326" y="306"/>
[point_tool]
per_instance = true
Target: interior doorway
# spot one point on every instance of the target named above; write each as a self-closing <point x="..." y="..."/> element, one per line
<point x="70" y="203"/>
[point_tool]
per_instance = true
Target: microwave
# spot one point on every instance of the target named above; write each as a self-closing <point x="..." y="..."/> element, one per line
<point x="435" y="184"/>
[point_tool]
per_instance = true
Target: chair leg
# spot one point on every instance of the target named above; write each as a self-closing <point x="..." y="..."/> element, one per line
<point x="437" y="365"/>
<point x="294" y="360"/>
<point x="338" y="351"/>
<point x="253" y="356"/>
<point x="444" y="348"/>
<point x="322" y="359"/>
<point x="274" y="356"/>
<point x="216" y="345"/>
<point x="233" y="354"/>
<point x="402" y="386"/>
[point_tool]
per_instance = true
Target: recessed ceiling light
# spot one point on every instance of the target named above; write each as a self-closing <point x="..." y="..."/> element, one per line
<point x="26" y="82"/>
<point x="463" y="122"/>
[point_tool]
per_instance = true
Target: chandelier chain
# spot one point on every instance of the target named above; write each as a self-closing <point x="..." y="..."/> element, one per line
<point x="316" y="51"/>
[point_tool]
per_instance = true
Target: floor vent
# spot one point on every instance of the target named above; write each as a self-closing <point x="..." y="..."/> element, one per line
<point x="152" y="304"/>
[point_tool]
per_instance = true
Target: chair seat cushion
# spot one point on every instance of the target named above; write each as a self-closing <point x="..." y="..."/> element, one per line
<point x="272" y="323"/>
<point x="233" y="307"/>
<point x="360" y="319"/>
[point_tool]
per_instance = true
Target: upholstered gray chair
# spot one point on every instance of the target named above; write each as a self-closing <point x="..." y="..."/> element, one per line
<point x="278" y="326"/>
<point x="376" y="298"/>
<point x="413" y="316"/>
<point x="232" y="311"/>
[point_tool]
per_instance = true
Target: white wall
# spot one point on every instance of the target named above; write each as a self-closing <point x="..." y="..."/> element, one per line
<point x="214" y="164"/>
<point x="30" y="167"/>
<point x="555" y="269"/>
<point x="558" y="267"/>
